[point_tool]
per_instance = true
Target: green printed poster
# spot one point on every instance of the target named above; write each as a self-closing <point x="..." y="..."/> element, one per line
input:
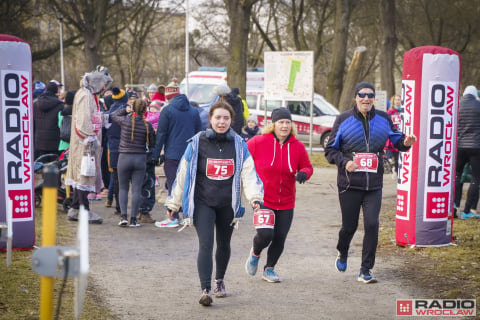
<point x="294" y="69"/>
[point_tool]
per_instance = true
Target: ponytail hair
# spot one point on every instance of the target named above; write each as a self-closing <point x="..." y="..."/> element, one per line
<point x="139" y="108"/>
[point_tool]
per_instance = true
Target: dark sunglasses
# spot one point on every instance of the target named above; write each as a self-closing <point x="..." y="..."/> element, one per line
<point x="369" y="95"/>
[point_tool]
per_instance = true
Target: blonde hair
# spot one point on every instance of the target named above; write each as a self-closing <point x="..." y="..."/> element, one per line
<point x="139" y="107"/>
<point x="271" y="128"/>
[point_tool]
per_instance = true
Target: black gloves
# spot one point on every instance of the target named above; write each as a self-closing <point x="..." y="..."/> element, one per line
<point x="301" y="177"/>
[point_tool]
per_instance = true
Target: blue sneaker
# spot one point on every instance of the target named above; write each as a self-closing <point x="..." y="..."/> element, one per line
<point x="270" y="275"/>
<point x="251" y="265"/>
<point x="341" y="263"/>
<point x="465" y="216"/>
<point x="167" y="223"/>
<point x="366" y="277"/>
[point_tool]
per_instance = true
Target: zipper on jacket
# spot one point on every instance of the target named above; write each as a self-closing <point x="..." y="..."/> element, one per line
<point x="367" y="142"/>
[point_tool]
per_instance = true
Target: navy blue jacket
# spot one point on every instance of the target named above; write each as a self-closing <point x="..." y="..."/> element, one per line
<point x="353" y="133"/>
<point x="113" y="131"/>
<point x="178" y="122"/>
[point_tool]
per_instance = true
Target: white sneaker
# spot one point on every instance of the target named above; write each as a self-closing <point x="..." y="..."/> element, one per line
<point x="123" y="223"/>
<point x="167" y="223"/>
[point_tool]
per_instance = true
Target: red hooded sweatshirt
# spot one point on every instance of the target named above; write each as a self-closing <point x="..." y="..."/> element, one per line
<point x="277" y="166"/>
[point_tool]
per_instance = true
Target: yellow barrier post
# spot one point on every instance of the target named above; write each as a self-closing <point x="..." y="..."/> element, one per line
<point x="49" y="221"/>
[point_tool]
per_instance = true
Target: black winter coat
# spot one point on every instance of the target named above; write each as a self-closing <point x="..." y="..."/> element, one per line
<point x="45" y="122"/>
<point x="469" y="123"/>
<point x="239" y="120"/>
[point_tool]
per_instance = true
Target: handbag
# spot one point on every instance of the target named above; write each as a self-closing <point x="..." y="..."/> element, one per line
<point x="88" y="166"/>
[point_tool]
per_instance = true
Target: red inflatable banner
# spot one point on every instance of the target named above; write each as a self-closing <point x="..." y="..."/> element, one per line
<point x="430" y="90"/>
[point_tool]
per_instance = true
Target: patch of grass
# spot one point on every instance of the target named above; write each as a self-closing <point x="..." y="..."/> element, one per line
<point x="452" y="272"/>
<point x="318" y="160"/>
<point x="20" y="285"/>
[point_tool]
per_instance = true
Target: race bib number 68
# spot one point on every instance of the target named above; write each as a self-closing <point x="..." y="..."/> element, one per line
<point x="366" y="162"/>
<point x="220" y="169"/>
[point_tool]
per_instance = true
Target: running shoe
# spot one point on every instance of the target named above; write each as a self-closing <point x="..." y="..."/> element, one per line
<point x="341" y="263"/>
<point x="465" y="216"/>
<point x="251" y="265"/>
<point x="167" y="223"/>
<point x="108" y="203"/>
<point x="206" y="298"/>
<point x="270" y="275"/>
<point x="220" y="291"/>
<point x="134" y="223"/>
<point x="366" y="277"/>
<point x="123" y="223"/>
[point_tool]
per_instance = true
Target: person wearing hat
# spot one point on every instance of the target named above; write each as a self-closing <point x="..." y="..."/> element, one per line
<point x="172" y="90"/>
<point x="45" y="121"/>
<point x="251" y="129"/>
<point x="356" y="146"/>
<point x="120" y="99"/>
<point x="86" y="138"/>
<point x="38" y="89"/>
<point x="178" y="122"/>
<point x="151" y="90"/>
<point x="468" y="151"/>
<point x="281" y="160"/>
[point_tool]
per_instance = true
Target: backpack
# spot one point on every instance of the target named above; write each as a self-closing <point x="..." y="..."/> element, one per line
<point x="65" y="128"/>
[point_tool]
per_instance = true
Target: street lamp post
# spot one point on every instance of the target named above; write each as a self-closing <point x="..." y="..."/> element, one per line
<point x="60" y="20"/>
<point x="186" y="48"/>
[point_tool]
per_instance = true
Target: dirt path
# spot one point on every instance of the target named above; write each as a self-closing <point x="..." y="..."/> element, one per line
<point x="150" y="273"/>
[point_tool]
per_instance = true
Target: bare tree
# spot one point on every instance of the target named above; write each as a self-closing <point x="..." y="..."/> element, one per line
<point x="239" y="12"/>
<point x="336" y="74"/>
<point x="389" y="45"/>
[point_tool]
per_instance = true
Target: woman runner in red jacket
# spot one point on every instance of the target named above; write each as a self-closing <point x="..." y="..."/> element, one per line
<point x="280" y="160"/>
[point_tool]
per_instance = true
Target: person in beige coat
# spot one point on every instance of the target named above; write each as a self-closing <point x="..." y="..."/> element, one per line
<point x="86" y="137"/>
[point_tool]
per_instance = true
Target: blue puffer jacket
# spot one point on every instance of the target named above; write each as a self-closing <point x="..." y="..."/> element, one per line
<point x="353" y="133"/>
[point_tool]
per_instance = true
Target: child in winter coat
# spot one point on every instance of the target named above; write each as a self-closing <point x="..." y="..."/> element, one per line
<point x="251" y="129"/>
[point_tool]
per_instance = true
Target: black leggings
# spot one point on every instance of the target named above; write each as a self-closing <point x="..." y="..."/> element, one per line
<point x="465" y="156"/>
<point x="206" y="220"/>
<point x="274" y="237"/>
<point x="350" y="203"/>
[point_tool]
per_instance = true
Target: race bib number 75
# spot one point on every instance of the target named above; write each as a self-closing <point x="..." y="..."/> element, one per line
<point x="220" y="169"/>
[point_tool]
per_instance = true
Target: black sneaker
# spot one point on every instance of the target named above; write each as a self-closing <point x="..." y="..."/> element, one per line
<point x="134" y="223"/>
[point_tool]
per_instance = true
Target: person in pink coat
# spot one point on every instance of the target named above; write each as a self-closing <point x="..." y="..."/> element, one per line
<point x="281" y="160"/>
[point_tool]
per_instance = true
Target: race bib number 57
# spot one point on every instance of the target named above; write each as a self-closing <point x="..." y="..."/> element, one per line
<point x="220" y="169"/>
<point x="366" y="162"/>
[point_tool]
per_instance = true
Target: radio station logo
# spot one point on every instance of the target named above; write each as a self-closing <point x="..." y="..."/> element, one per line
<point x="436" y="307"/>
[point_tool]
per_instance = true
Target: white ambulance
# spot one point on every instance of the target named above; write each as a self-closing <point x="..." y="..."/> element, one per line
<point x="201" y="87"/>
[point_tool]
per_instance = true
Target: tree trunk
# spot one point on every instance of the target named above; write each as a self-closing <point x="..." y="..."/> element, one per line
<point x="351" y="79"/>
<point x="239" y="12"/>
<point x="336" y="74"/>
<point x="389" y="45"/>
